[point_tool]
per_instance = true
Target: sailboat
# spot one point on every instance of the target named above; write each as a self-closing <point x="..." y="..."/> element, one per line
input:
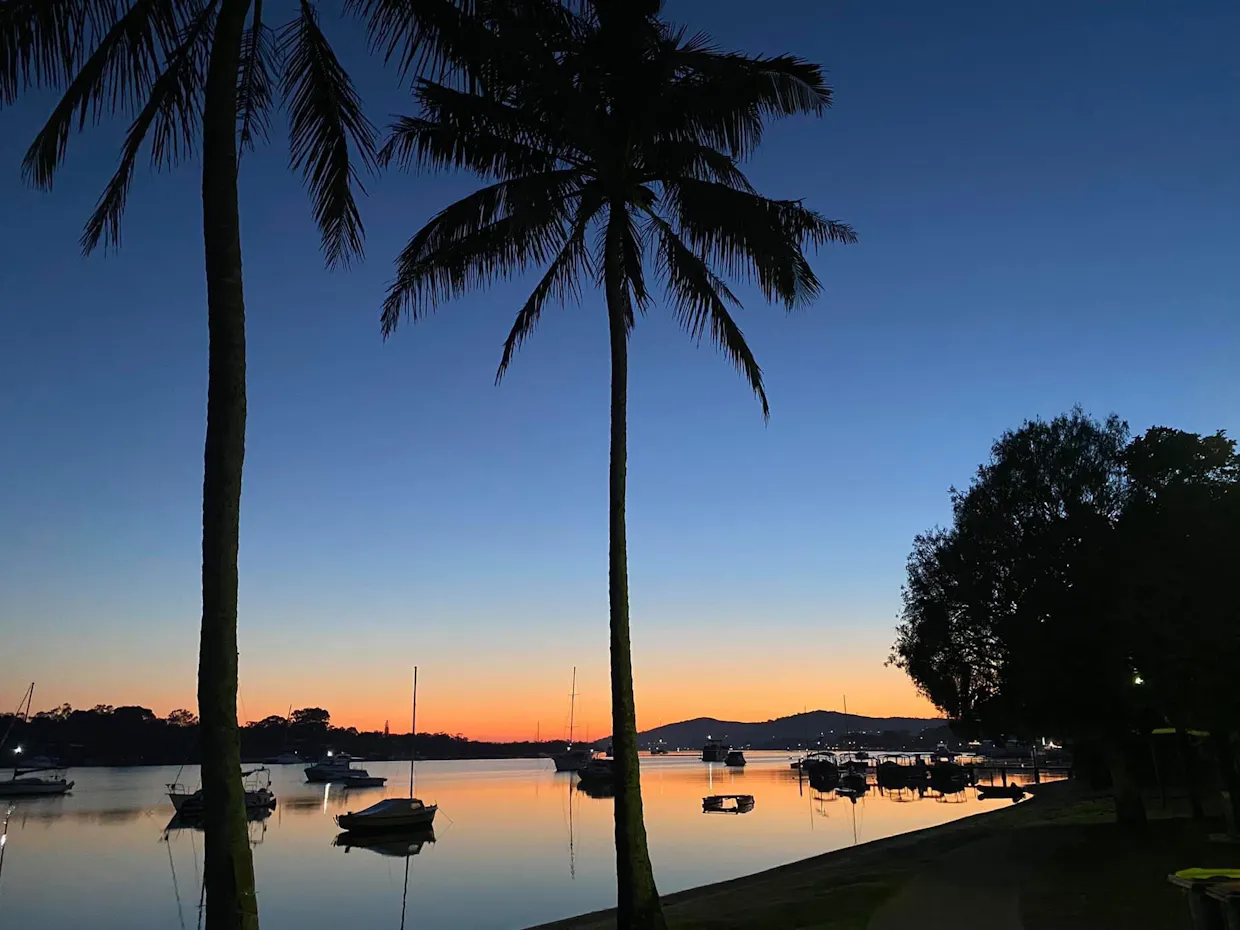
<point x="25" y="782"/>
<point x="393" y="814"/>
<point x="572" y="759"/>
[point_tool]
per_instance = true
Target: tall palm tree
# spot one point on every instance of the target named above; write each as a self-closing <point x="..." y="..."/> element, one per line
<point x="611" y="144"/>
<point x="199" y="77"/>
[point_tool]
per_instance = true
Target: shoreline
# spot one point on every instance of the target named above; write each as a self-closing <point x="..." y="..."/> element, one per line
<point x="872" y="869"/>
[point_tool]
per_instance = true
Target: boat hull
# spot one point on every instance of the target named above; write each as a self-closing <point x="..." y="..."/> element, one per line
<point x="405" y="821"/>
<point x="571" y="761"/>
<point x="21" y="788"/>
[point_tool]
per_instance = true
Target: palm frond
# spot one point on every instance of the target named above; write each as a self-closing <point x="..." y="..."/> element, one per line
<point x="631" y="255"/>
<point x="416" y="143"/>
<point x="475" y="42"/>
<point x="173" y="110"/>
<point x="724" y="100"/>
<point x="753" y="236"/>
<point x="495" y="232"/>
<point x="561" y="281"/>
<point x="685" y="158"/>
<point x="700" y="300"/>
<point x="482" y="115"/>
<point x="118" y="75"/>
<point x="258" y="63"/>
<point x="41" y="41"/>
<point x="325" y="121"/>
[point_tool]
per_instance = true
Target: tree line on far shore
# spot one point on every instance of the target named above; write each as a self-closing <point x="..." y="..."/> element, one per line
<point x="132" y="735"/>
<point x="1086" y="589"/>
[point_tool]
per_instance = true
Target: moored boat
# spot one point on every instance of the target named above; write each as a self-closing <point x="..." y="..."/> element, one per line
<point x="339" y="768"/>
<point x="24" y="783"/>
<point x="389" y="815"/>
<point x="362" y="780"/>
<point x="573" y="758"/>
<point x="735" y="758"/>
<point x="727" y="804"/>
<point x="715" y="752"/>
<point x="258" y="794"/>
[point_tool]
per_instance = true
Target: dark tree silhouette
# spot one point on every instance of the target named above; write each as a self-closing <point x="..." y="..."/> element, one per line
<point x="1084" y="590"/>
<point x="198" y="78"/>
<point x="610" y="141"/>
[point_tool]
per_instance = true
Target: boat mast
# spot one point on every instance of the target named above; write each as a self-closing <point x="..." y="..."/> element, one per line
<point x="845" y="740"/>
<point x="24" y="714"/>
<point x="413" y="732"/>
<point x="572" y="708"/>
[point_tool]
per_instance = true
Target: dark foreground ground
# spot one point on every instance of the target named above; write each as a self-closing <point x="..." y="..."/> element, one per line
<point x="1056" y="861"/>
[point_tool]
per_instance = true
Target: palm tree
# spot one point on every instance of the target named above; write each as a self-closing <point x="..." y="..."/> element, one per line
<point x="200" y="75"/>
<point x="610" y="142"/>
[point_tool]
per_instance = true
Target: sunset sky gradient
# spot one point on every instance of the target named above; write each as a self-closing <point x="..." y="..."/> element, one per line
<point x="1046" y="196"/>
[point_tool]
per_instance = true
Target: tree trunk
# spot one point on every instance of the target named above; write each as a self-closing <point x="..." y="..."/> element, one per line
<point x="637" y="899"/>
<point x="229" y="865"/>
<point x="1129" y="808"/>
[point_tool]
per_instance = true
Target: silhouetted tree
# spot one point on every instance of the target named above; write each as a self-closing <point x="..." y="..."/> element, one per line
<point x="610" y="143"/>
<point x="182" y="718"/>
<point x="200" y="75"/>
<point x="1003" y="625"/>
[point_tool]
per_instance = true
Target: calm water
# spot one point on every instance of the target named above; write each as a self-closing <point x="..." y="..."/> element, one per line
<point x="516" y="844"/>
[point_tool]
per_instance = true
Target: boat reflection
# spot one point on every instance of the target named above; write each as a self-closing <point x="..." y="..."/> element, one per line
<point x="395" y="844"/>
<point x="597" y="789"/>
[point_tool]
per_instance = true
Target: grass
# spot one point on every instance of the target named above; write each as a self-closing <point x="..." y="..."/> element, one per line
<point x="1101" y="875"/>
<point x="1075" y="869"/>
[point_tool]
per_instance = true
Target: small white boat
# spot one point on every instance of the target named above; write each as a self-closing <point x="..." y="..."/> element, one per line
<point x="25" y="784"/>
<point x="258" y="796"/>
<point x="390" y="814"/>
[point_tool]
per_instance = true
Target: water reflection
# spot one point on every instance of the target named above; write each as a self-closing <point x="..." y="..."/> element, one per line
<point x="518" y="845"/>
<point x="394" y="843"/>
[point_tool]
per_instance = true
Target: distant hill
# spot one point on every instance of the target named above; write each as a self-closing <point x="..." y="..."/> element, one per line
<point x="799" y="729"/>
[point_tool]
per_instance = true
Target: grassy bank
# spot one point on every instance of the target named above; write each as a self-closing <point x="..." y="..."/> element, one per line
<point x="1070" y="864"/>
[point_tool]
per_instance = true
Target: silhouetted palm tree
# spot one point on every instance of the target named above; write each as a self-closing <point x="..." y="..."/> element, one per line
<point x="200" y="75"/>
<point x="611" y="141"/>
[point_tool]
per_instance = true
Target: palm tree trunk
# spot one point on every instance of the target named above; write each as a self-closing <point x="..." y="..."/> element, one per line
<point x="229" y="865"/>
<point x="637" y="899"/>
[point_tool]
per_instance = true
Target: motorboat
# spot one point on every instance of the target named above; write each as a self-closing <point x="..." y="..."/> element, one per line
<point x="389" y="815"/>
<point x="715" y="752"/>
<point x="258" y="794"/>
<point x="361" y="779"/>
<point x="822" y="769"/>
<point x="336" y="768"/>
<point x="658" y="751"/>
<point x="735" y="758"/>
<point x="727" y="804"/>
<point x="856" y="764"/>
<point x="25" y="783"/>
<point x="399" y="844"/>
<point x="287" y="758"/>
<point x="900" y="772"/>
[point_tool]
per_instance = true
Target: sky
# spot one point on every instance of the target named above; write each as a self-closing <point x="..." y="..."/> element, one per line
<point x="1046" y="198"/>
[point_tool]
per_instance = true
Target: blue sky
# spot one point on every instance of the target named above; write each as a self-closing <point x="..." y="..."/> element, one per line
<point x="1046" y="198"/>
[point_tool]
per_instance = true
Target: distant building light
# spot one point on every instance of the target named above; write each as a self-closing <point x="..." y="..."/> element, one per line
<point x="17" y="750"/>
